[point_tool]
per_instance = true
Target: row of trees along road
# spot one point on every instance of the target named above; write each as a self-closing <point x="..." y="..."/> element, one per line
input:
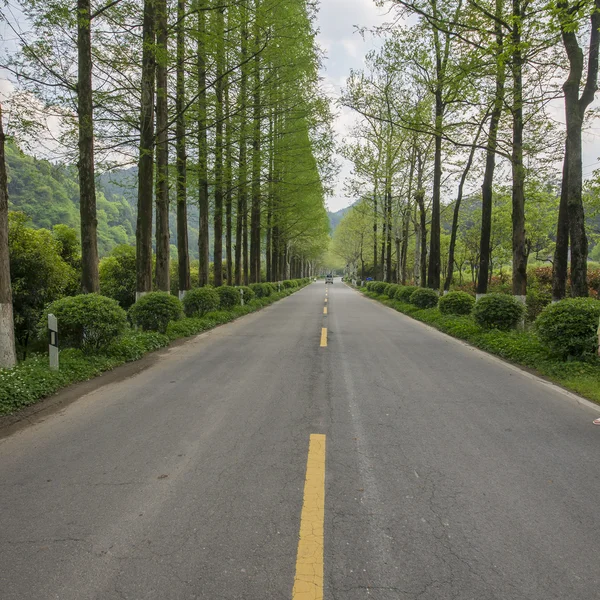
<point x="218" y="103"/>
<point x="460" y="96"/>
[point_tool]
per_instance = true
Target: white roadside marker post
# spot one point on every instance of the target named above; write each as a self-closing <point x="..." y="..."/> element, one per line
<point x="53" y="342"/>
<point x="242" y="296"/>
<point x="279" y="286"/>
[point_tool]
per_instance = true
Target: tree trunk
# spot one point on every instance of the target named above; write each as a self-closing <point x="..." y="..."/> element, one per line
<point x="561" y="250"/>
<point x="255" y="228"/>
<point x="375" y="244"/>
<point x="203" y="207"/>
<point x="182" y="226"/>
<point x="420" y="198"/>
<point x="228" y="190"/>
<point x="519" y="276"/>
<point x="163" y="246"/>
<point x="87" y="186"/>
<point x="143" y="232"/>
<point x="8" y="353"/>
<point x="218" y="168"/>
<point x="575" y="108"/>
<point x="388" y="212"/>
<point x="434" y="269"/>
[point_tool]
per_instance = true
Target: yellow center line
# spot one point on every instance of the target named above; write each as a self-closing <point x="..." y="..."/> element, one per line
<point x="325" y="300"/>
<point x="324" y="337"/>
<point x="325" y="310"/>
<point x="308" y="583"/>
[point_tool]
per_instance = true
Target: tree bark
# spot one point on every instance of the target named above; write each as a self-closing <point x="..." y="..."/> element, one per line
<point x="575" y="108"/>
<point x="228" y="190"/>
<point x="433" y="272"/>
<point x="218" y="168"/>
<point x="146" y="154"/>
<point x="561" y="250"/>
<point x="8" y="353"/>
<point x="519" y="274"/>
<point x="163" y="246"/>
<point x="87" y="186"/>
<point x="184" y="282"/>
<point x="255" y="226"/>
<point x="203" y="207"/>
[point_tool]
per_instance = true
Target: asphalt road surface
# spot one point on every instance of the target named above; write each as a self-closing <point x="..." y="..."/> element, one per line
<point x="434" y="471"/>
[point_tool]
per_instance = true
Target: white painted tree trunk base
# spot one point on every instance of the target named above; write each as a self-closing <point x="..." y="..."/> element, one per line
<point x="479" y="296"/>
<point x="8" y="354"/>
<point x="139" y="295"/>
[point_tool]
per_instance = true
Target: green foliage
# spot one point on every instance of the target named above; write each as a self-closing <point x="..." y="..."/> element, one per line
<point x="117" y="275"/>
<point x="199" y="301"/>
<point x="498" y="311"/>
<point x="424" y="298"/>
<point x="229" y="296"/>
<point x="391" y="289"/>
<point x="288" y="284"/>
<point x="569" y="327"/>
<point x="249" y="294"/>
<point x="261" y="290"/>
<point x="456" y="303"/>
<point x="38" y="274"/>
<point x="404" y="292"/>
<point x="379" y="287"/>
<point x="536" y="301"/>
<point x="154" y="311"/>
<point x="87" y="321"/>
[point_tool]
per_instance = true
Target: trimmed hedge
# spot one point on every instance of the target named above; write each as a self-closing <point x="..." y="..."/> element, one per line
<point x="199" y="301"/>
<point x="456" y="303"/>
<point x="424" y="298"/>
<point x="569" y="328"/>
<point x="405" y="292"/>
<point x="249" y="294"/>
<point x="86" y="321"/>
<point x="154" y="311"/>
<point x="498" y="311"/>
<point x="229" y="296"/>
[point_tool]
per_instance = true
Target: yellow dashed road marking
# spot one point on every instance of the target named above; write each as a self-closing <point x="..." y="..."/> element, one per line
<point x="324" y="337"/>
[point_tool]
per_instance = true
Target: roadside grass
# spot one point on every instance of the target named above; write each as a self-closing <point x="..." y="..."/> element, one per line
<point x="519" y="347"/>
<point x="32" y="380"/>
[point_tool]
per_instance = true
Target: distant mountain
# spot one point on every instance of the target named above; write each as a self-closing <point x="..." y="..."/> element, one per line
<point x="336" y="217"/>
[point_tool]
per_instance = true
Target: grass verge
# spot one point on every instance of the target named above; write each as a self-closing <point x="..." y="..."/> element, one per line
<point x="32" y="380"/>
<point x="519" y="347"/>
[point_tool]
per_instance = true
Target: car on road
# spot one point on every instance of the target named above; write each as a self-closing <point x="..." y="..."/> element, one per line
<point x="329" y="279"/>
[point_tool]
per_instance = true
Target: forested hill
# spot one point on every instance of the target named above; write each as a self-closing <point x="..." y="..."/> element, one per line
<point x="49" y="194"/>
<point x="336" y="217"/>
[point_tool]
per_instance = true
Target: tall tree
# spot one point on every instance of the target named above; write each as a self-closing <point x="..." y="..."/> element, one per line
<point x="146" y="153"/>
<point x="183" y="270"/>
<point x="87" y="186"/>
<point x="8" y="354"/>
<point x="163" y="245"/>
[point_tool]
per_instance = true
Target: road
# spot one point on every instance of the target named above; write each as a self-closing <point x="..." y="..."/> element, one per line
<point x="446" y="473"/>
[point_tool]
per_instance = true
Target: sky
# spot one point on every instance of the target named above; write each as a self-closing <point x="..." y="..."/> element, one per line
<point x="345" y="49"/>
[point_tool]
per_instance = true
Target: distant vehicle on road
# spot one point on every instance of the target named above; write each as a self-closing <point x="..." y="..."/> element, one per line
<point x="329" y="278"/>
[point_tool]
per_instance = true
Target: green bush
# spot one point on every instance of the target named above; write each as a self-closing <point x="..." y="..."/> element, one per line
<point x="379" y="287"/>
<point x="424" y="298"/>
<point x="456" y="303"/>
<point x="261" y="290"/>
<point x="87" y="321"/>
<point x="199" y="301"/>
<point x="569" y="327"/>
<point x="229" y="297"/>
<point x="288" y="284"/>
<point x="154" y="311"/>
<point x="404" y="292"/>
<point x="249" y="294"/>
<point x="536" y="301"/>
<point x="370" y="286"/>
<point x="498" y="311"/>
<point x="391" y="290"/>
<point x="117" y="275"/>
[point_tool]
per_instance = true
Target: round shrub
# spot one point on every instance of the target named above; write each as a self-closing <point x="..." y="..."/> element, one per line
<point x="424" y="298"/>
<point x="261" y="290"/>
<point x="456" y="303"/>
<point x="379" y="287"/>
<point x="391" y="290"/>
<point x="87" y="321"/>
<point x="248" y="293"/>
<point x="154" y="311"/>
<point x="229" y="296"/>
<point x="404" y="292"/>
<point x="288" y="284"/>
<point x="370" y="286"/>
<point x="498" y="311"/>
<point x="569" y="327"/>
<point x="199" y="301"/>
